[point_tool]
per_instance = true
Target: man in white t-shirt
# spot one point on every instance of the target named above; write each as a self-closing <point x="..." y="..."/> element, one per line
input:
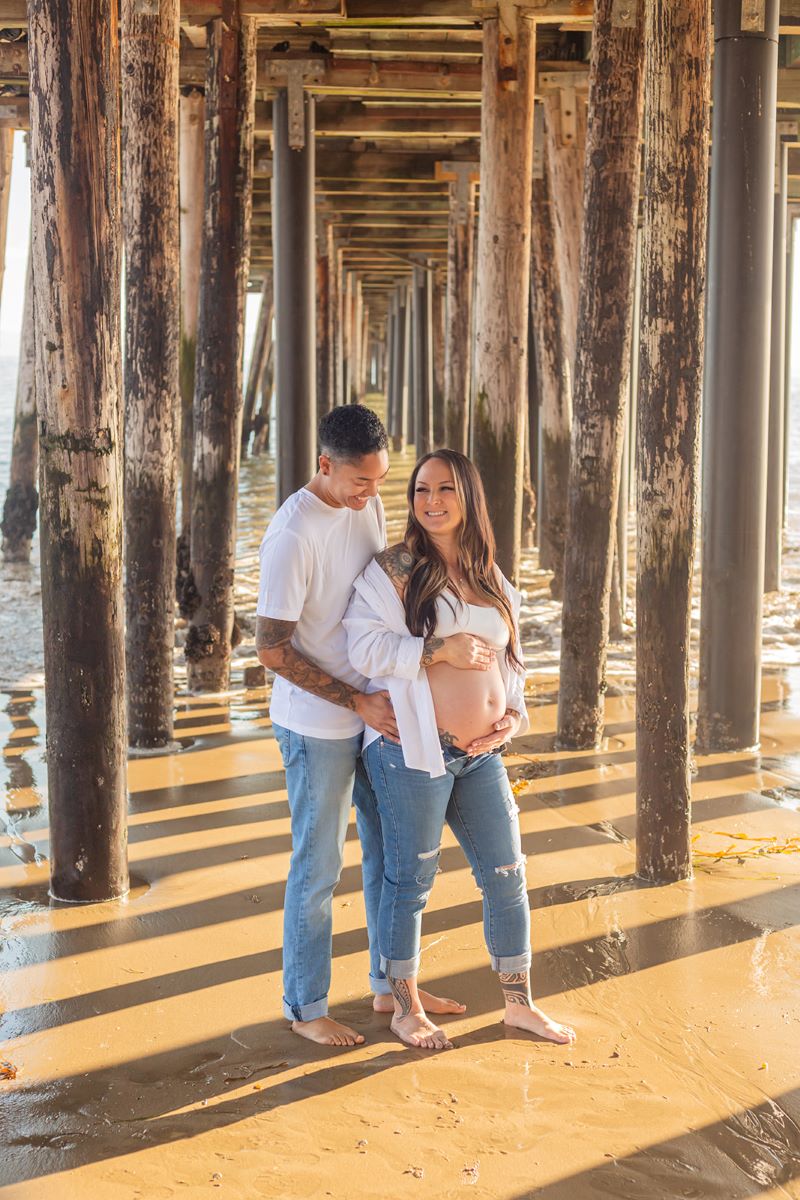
<point x="319" y="540"/>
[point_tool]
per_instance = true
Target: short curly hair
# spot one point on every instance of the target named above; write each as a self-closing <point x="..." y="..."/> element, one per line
<point x="350" y="431"/>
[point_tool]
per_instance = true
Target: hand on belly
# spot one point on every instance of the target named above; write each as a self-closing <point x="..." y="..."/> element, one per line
<point x="467" y="703"/>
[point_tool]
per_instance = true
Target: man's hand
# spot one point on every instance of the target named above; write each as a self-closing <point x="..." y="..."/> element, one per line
<point x="375" y="710"/>
<point x="501" y="732"/>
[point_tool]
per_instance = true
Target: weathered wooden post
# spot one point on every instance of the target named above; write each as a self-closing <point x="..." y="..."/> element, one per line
<point x="22" y="497"/>
<point x="356" y="341"/>
<point x="533" y="426"/>
<point x="262" y="437"/>
<point x="737" y="373"/>
<point x="391" y="322"/>
<point x="294" y="257"/>
<point x="230" y="97"/>
<point x="503" y="273"/>
<point x="192" y="159"/>
<point x="6" y="161"/>
<point x="602" y="363"/>
<point x="74" y="90"/>
<point x="773" y="542"/>
<point x="461" y="177"/>
<point x="553" y="366"/>
<point x="438" y="323"/>
<point x="406" y="385"/>
<point x="152" y="381"/>
<point x="323" y="301"/>
<point x="338" y="344"/>
<point x="347" y="335"/>
<point x="564" y="134"/>
<point x="399" y="427"/>
<point x="258" y="360"/>
<point x="670" y="382"/>
<point x="791" y="228"/>
<point x="421" y="335"/>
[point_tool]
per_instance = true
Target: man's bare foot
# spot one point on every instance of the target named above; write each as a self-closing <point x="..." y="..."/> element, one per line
<point x="327" y="1032"/>
<point x="432" y="1004"/>
<point x="533" y="1020"/>
<point x="416" y="1030"/>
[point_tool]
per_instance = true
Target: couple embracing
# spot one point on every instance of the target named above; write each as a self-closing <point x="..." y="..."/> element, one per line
<point x="398" y="681"/>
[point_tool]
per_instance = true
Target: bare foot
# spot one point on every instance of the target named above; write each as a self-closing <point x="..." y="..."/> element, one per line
<point x="533" y="1020"/>
<point x="432" y="1004"/>
<point x="327" y="1032"/>
<point x="416" y="1030"/>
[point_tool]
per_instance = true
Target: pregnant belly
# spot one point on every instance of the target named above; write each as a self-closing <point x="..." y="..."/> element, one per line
<point x="466" y="703"/>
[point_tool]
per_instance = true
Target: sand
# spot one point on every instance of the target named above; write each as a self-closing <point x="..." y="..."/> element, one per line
<point x="152" y="1061"/>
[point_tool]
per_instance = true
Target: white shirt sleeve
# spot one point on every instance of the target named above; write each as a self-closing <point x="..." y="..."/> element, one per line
<point x="285" y="577"/>
<point x="374" y="649"/>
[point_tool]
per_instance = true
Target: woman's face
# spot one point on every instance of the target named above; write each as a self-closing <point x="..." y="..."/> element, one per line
<point x="436" y="506"/>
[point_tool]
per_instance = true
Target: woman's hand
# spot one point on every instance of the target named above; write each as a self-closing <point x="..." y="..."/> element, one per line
<point x="461" y="650"/>
<point x="501" y="732"/>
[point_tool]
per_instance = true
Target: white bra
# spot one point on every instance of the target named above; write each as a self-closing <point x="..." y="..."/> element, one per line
<point x="457" y="616"/>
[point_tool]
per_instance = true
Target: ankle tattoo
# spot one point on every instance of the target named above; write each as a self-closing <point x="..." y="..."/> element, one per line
<point x="516" y="987"/>
<point x="402" y="994"/>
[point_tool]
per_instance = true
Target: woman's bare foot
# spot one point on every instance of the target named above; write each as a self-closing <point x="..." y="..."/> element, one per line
<point x="432" y="1004"/>
<point x="533" y="1020"/>
<point x="416" y="1030"/>
<point x="327" y="1032"/>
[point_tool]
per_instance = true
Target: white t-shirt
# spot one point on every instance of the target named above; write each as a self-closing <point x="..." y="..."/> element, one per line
<point x="310" y="557"/>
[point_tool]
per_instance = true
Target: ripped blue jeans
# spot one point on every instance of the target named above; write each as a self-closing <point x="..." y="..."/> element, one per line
<point x="475" y="798"/>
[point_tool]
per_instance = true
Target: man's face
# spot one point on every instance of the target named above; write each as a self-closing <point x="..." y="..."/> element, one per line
<point x="351" y="484"/>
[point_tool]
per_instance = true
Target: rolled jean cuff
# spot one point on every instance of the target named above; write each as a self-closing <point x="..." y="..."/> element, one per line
<point x="400" y="968"/>
<point x="379" y="985"/>
<point x="512" y="962"/>
<point x="305" y="1012"/>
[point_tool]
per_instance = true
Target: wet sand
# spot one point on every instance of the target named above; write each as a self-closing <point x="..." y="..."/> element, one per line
<point x="151" y="1059"/>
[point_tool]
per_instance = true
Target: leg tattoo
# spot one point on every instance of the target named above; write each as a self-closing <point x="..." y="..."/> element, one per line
<point x="516" y="987"/>
<point x="402" y="994"/>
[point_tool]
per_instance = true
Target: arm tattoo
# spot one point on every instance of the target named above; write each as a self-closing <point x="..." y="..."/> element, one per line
<point x="431" y="645"/>
<point x="516" y="987"/>
<point x="398" y="563"/>
<point x="401" y="993"/>
<point x="447" y="738"/>
<point x="274" y="637"/>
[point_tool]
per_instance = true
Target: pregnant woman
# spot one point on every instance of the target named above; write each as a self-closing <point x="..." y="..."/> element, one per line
<point x="433" y="622"/>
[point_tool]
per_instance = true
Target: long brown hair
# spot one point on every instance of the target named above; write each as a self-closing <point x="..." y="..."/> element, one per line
<point x="476" y="547"/>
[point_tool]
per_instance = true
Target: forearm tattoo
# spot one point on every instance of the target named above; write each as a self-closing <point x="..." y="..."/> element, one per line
<point x="402" y="994"/>
<point x="398" y="564"/>
<point x="429" y="648"/>
<point x="446" y="737"/>
<point x="274" y="636"/>
<point x="516" y="987"/>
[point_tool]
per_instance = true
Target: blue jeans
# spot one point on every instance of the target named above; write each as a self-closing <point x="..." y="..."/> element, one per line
<point x="475" y="798"/>
<point x="322" y="778"/>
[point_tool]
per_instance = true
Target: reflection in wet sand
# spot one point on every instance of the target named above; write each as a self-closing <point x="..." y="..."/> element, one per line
<point x="152" y="1060"/>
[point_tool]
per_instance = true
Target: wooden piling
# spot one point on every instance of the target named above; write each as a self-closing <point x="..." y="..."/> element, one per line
<point x="421" y="335"/>
<point x="503" y="274"/>
<point x="22" y="498"/>
<point x="458" y="342"/>
<point x="773" y="540"/>
<point x="670" y="382"/>
<point x="564" y="130"/>
<point x="554" y="372"/>
<point x="258" y="359"/>
<point x="602" y="365"/>
<point x="323" y="316"/>
<point x="229" y="122"/>
<point x="152" y="388"/>
<point x="438" y="323"/>
<point x="741" y="211"/>
<point x="6" y="162"/>
<point x="192" y="158"/>
<point x="74" y="95"/>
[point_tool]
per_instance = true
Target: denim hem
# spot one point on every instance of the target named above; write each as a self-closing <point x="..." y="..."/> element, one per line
<point x="379" y="986"/>
<point x="512" y="962"/>
<point x="306" y="1012"/>
<point x="400" y="968"/>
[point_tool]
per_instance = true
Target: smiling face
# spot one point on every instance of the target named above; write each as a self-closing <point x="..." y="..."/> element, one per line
<point x="352" y="484"/>
<point x="436" y="505"/>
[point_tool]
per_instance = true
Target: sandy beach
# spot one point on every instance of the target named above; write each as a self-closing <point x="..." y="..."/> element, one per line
<point x="145" y="1048"/>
